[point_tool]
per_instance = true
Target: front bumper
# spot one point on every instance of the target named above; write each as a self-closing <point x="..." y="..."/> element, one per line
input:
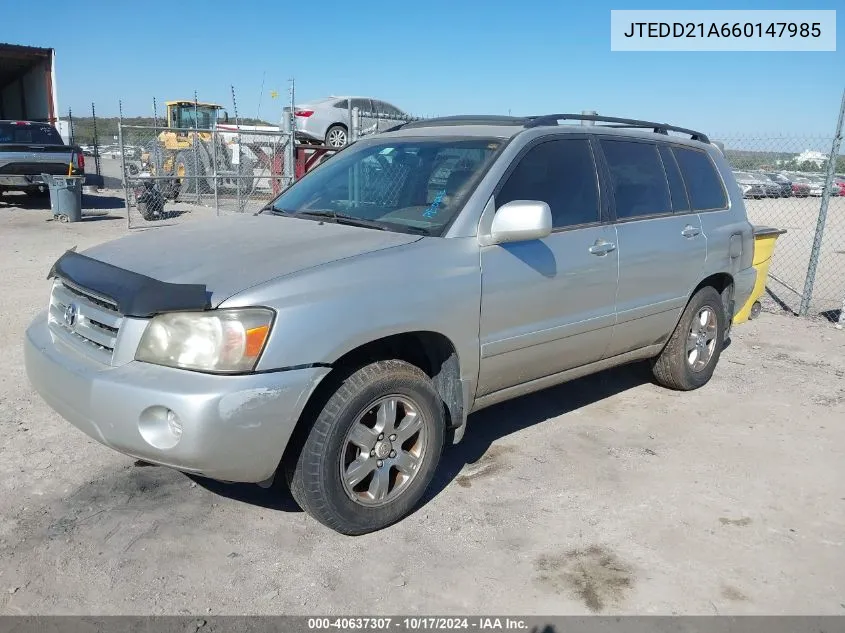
<point x="234" y="428"/>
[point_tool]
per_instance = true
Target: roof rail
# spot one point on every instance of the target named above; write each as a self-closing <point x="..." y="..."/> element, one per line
<point x="658" y="128"/>
<point x="469" y="119"/>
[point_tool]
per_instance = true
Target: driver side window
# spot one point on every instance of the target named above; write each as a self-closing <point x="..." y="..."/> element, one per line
<point x="561" y="173"/>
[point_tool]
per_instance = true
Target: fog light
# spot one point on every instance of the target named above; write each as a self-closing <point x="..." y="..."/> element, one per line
<point x="160" y="427"/>
<point x="174" y="424"/>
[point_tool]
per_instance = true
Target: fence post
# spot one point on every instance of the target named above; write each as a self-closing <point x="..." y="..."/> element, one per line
<point x="349" y="121"/>
<point x="238" y="126"/>
<point x="123" y="162"/>
<point x="70" y="127"/>
<point x="356" y="125"/>
<point x="196" y="153"/>
<point x="815" y="253"/>
<point x="290" y="159"/>
<point x="96" y="143"/>
<point x="289" y="153"/>
<point x="356" y="170"/>
<point x="215" y="139"/>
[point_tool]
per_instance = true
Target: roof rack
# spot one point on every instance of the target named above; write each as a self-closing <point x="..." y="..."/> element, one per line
<point x="658" y="128"/>
<point x="471" y="119"/>
<point x="551" y="119"/>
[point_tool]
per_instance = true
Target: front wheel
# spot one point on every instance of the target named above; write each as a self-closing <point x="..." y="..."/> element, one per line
<point x="372" y="451"/>
<point x="689" y="358"/>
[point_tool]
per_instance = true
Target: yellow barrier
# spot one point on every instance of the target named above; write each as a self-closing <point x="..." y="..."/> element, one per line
<point x="764" y="247"/>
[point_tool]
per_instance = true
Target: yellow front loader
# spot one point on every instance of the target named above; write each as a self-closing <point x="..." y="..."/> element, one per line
<point x="188" y="152"/>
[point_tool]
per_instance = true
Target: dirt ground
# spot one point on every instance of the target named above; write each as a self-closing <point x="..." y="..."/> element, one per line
<point x="607" y="495"/>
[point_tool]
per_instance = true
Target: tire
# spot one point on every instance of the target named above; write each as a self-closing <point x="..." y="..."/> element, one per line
<point x="152" y="206"/>
<point x="677" y="367"/>
<point x="38" y="192"/>
<point x="337" y="136"/>
<point x="315" y="474"/>
<point x="187" y="161"/>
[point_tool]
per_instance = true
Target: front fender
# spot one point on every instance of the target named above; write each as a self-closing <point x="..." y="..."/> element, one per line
<point x="325" y="312"/>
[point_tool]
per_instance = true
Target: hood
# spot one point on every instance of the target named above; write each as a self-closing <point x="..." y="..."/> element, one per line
<point x="229" y="255"/>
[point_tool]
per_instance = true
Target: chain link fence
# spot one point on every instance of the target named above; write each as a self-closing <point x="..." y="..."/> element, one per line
<point x="369" y="123"/>
<point x="789" y="182"/>
<point x="785" y="184"/>
<point x="179" y="173"/>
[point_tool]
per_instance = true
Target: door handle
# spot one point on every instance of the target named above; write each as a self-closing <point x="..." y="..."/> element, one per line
<point x="602" y="247"/>
<point x="690" y="231"/>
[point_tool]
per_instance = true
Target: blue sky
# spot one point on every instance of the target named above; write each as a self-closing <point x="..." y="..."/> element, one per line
<point x="431" y="57"/>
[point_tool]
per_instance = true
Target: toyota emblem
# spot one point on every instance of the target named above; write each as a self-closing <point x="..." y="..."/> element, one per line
<point x="70" y="315"/>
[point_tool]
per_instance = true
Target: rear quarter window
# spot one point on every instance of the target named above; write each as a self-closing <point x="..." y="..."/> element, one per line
<point x="704" y="186"/>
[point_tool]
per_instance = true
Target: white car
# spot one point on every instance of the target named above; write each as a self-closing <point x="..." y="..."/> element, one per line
<point x="326" y="121"/>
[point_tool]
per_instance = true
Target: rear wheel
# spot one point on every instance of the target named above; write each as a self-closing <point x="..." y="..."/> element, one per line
<point x="337" y="136"/>
<point x="690" y="357"/>
<point x="372" y="450"/>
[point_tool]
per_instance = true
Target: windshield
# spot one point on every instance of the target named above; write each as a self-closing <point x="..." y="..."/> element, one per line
<point x="203" y="118"/>
<point x="413" y="185"/>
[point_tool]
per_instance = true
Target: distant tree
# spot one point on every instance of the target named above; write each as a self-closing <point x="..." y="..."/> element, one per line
<point x="808" y="165"/>
<point x="107" y="127"/>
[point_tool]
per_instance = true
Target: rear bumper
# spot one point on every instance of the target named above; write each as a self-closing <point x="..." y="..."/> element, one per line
<point x="234" y="428"/>
<point x="744" y="282"/>
<point x="310" y="130"/>
<point x="30" y="181"/>
<point x="21" y="182"/>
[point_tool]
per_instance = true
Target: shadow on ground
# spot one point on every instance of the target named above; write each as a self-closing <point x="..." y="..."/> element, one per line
<point x="42" y="202"/>
<point x="484" y="428"/>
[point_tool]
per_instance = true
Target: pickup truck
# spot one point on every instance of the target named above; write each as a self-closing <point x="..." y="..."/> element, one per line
<point x="29" y="149"/>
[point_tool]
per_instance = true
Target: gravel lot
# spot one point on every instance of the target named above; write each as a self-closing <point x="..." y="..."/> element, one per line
<point x="608" y="495"/>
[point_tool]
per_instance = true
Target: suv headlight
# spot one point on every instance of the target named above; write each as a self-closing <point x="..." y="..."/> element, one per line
<point x="219" y="341"/>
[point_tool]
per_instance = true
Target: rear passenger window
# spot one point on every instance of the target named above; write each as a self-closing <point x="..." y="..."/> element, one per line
<point x="639" y="183"/>
<point x="680" y="202"/>
<point x="703" y="183"/>
<point x="560" y="173"/>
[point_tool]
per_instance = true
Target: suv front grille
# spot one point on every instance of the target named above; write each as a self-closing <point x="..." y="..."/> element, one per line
<point x="84" y="318"/>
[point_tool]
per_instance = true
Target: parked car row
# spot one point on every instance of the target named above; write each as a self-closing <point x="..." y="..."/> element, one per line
<point x="767" y="184"/>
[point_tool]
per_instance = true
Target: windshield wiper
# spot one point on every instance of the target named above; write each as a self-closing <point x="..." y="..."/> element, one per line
<point x="342" y="218"/>
<point x="351" y="220"/>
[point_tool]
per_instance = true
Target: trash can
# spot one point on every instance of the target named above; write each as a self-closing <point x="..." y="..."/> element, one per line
<point x="65" y="196"/>
<point x="764" y="247"/>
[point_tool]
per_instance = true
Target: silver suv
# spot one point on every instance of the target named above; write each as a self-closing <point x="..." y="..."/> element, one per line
<point x="343" y="335"/>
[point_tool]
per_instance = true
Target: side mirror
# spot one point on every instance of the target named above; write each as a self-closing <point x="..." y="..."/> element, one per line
<point x="521" y="221"/>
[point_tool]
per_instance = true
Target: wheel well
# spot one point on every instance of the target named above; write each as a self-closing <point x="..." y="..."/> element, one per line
<point x="724" y="285"/>
<point x="719" y="281"/>
<point x="432" y="352"/>
<point x="343" y="125"/>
